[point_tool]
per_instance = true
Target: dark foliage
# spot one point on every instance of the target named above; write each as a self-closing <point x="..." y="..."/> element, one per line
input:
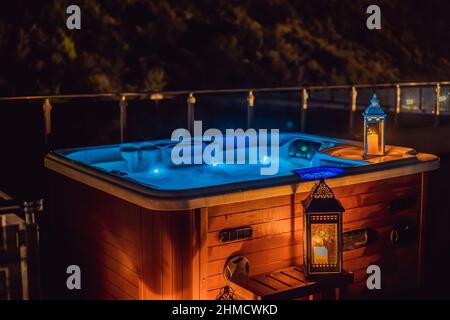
<point x="180" y="44"/>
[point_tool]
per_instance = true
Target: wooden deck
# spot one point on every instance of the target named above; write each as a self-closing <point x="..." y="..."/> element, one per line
<point x="288" y="283"/>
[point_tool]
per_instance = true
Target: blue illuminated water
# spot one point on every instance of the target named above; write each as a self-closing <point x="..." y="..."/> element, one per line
<point x="149" y="163"/>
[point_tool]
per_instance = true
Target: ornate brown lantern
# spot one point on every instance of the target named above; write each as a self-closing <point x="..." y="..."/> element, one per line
<point x="322" y="232"/>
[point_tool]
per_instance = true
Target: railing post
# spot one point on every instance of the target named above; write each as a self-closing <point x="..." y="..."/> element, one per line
<point x="420" y="99"/>
<point x="437" y="110"/>
<point x="250" y="106"/>
<point x="304" y="109"/>
<point x="123" y="117"/>
<point x="190" y="112"/>
<point x="47" y="108"/>
<point x="31" y="210"/>
<point x="354" y="95"/>
<point x="398" y="106"/>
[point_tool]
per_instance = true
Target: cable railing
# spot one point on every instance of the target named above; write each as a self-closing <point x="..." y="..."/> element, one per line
<point x="431" y="98"/>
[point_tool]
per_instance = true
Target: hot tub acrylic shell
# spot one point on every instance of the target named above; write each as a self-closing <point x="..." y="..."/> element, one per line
<point x="148" y="167"/>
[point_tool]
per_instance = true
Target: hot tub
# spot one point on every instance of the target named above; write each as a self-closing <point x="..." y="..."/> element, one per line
<point x="144" y="228"/>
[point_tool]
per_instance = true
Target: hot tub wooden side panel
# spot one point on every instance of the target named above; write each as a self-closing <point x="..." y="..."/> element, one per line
<point x="277" y="233"/>
<point x="123" y="250"/>
<point x="174" y="253"/>
<point x="97" y="232"/>
<point x="127" y="252"/>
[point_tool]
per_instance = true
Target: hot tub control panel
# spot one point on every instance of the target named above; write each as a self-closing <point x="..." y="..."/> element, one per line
<point x="304" y="149"/>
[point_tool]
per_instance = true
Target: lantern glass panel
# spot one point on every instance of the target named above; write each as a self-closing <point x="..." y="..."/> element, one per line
<point x="374" y="138"/>
<point x="324" y="241"/>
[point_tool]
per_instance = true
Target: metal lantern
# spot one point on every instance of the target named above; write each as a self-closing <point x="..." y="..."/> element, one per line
<point x="322" y="232"/>
<point x="374" y="129"/>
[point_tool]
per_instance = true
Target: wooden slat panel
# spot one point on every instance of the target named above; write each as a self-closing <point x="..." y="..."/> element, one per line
<point x="100" y="245"/>
<point x="285" y="225"/>
<point x="187" y="265"/>
<point x="107" y="244"/>
<point x="254" y="245"/>
<point x="98" y="278"/>
<point x="216" y="267"/>
<point x="377" y="222"/>
<point x="129" y="275"/>
<point x="121" y="231"/>
<point x="259" y="288"/>
<point x="167" y="261"/>
<point x="381" y="220"/>
<point x="294" y="273"/>
<point x="176" y="226"/>
<point x="292" y="289"/>
<point x="212" y="294"/>
<point x="264" y="258"/>
<point x="157" y="251"/>
<point x="217" y="280"/>
<point x="249" y="206"/>
<point x="241" y="292"/>
<point x="203" y="247"/>
<point x="115" y="279"/>
<point x="381" y="185"/>
<point x="268" y="281"/>
<point x="111" y="262"/>
<point x="195" y="225"/>
<point x="285" y="278"/>
<point x="119" y="217"/>
<point x="105" y="262"/>
<point x="371" y="212"/>
<point x="252" y="217"/>
<point x="377" y="197"/>
<point x="168" y="244"/>
<point x="279" y="240"/>
<point x="151" y="289"/>
<point x="127" y="247"/>
<point x="110" y="244"/>
<point x="115" y="291"/>
<point x="262" y="229"/>
<point x="340" y="192"/>
<point x="198" y="258"/>
<point x="88" y="222"/>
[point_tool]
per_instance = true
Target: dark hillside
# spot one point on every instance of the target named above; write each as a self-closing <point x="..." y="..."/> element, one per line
<point x="145" y="45"/>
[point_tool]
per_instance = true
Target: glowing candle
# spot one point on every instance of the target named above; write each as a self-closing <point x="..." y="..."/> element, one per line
<point x="372" y="144"/>
<point x="372" y="141"/>
<point x="320" y="255"/>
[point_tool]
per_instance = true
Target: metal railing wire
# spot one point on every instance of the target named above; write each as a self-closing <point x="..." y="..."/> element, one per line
<point x="418" y="97"/>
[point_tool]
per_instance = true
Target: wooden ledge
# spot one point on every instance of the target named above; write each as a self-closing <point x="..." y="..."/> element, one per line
<point x="427" y="163"/>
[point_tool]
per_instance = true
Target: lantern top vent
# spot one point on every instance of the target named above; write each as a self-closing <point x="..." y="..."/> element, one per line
<point x="374" y="109"/>
<point x="322" y="199"/>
